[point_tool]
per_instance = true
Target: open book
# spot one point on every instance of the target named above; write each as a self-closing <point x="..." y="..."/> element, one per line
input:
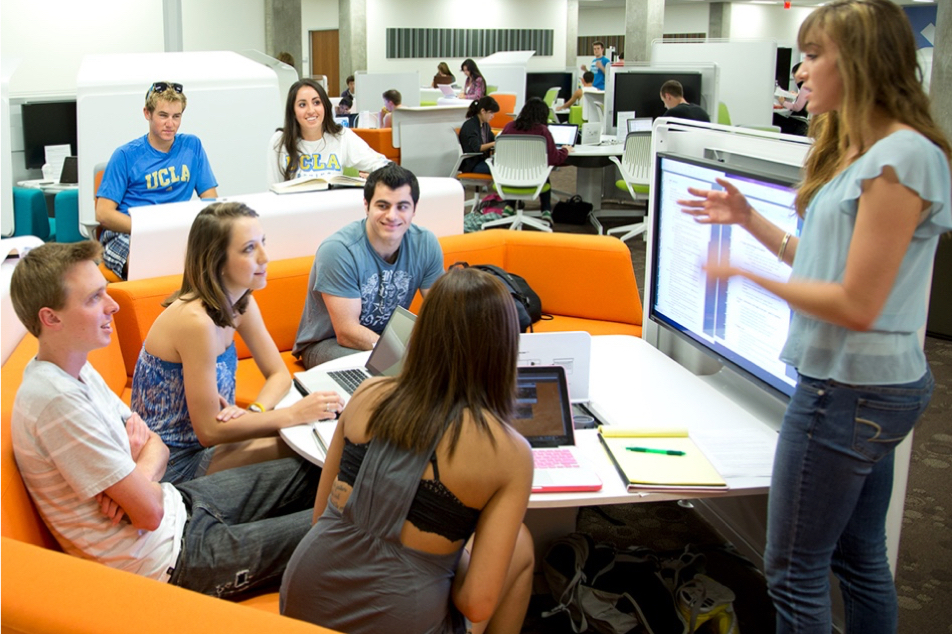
<point x="659" y="459"/>
<point x="316" y="183"/>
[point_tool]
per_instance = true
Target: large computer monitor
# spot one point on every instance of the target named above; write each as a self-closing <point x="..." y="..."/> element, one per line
<point x="640" y="90"/>
<point x="47" y="123"/>
<point x="735" y="322"/>
<point x="537" y="84"/>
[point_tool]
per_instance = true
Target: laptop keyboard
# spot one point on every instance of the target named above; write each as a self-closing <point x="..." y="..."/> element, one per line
<point x="559" y="458"/>
<point x="350" y="380"/>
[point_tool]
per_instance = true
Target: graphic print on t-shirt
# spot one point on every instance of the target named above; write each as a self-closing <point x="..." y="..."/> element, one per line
<point x="380" y="295"/>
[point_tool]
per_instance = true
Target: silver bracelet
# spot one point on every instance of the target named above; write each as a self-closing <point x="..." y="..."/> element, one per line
<point x="783" y="247"/>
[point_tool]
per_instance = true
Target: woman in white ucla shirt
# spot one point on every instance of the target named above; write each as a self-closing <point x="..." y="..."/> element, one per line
<point x="312" y="143"/>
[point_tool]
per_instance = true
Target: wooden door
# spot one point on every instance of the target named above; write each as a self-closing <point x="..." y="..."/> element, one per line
<point x="325" y="59"/>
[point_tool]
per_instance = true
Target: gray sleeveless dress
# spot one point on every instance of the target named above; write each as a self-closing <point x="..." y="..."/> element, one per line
<point x="351" y="573"/>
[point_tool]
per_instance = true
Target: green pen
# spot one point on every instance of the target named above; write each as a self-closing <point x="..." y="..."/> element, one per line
<point x="663" y="452"/>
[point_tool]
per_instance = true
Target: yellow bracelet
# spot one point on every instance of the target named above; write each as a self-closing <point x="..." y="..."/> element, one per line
<point x="783" y="247"/>
<point x="256" y="407"/>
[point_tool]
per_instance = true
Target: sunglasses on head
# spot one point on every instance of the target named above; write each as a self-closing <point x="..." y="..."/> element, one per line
<point x="161" y="86"/>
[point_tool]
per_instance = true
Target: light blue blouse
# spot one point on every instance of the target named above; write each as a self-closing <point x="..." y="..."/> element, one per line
<point x="889" y="353"/>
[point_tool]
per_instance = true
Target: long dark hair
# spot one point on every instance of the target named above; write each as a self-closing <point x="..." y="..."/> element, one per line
<point x="205" y="259"/>
<point x="534" y="113"/>
<point x="473" y="69"/>
<point x="483" y="103"/>
<point x="460" y="365"/>
<point x="291" y="131"/>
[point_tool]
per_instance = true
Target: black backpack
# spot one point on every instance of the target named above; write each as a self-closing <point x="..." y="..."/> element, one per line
<point x="528" y="304"/>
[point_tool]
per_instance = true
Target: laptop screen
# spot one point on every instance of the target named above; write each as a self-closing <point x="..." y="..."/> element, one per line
<point x="344" y="121"/>
<point x="563" y="134"/>
<point x="387" y="356"/>
<point x="543" y="412"/>
<point x="640" y="124"/>
<point x="447" y="90"/>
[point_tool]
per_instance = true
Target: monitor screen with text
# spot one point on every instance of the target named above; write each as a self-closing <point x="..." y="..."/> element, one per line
<point x="735" y="321"/>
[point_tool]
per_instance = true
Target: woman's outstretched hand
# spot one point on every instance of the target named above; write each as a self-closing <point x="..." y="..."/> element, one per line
<point x="712" y="207"/>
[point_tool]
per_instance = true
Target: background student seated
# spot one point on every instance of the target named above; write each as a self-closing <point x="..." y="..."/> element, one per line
<point x="417" y="464"/>
<point x="475" y="135"/>
<point x="184" y="379"/>
<point x="160" y="167"/>
<point x="672" y="94"/>
<point x="311" y="143"/>
<point x="392" y="99"/>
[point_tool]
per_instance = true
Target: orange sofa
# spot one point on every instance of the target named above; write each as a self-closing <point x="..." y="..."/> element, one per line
<point x="585" y="282"/>
<point x="46" y="591"/>
<point x="380" y="140"/>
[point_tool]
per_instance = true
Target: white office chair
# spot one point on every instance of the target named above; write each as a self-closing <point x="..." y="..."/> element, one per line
<point x="520" y="170"/>
<point x="635" y="167"/>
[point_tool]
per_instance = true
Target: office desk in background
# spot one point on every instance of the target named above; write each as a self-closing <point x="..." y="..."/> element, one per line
<point x="294" y="224"/>
<point x="590" y="162"/>
<point x="632" y="383"/>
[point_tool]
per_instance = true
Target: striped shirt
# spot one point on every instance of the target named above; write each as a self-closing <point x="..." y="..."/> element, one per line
<point x="70" y="444"/>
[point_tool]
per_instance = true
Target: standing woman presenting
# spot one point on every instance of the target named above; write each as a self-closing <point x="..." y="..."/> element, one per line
<point x="875" y="197"/>
<point x="311" y="143"/>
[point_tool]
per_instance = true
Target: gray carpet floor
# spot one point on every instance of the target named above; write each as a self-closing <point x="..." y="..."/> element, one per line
<point x="924" y="571"/>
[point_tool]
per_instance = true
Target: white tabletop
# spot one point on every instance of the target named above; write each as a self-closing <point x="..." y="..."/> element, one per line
<point x="633" y="383"/>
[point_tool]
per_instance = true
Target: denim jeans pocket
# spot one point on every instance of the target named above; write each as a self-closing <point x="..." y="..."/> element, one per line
<point x="884" y="420"/>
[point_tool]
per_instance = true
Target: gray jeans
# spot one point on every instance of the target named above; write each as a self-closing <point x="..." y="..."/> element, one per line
<point x="243" y="525"/>
<point x="321" y="351"/>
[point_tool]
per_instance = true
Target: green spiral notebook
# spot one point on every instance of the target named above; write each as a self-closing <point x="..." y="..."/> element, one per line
<point x="660" y="460"/>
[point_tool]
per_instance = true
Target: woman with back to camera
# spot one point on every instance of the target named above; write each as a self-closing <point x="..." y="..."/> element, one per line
<point x="433" y="452"/>
<point x="184" y="381"/>
<point x="475" y="135"/>
<point x="532" y="120"/>
<point x="311" y="143"/>
<point x="875" y="197"/>
<point x="475" y="86"/>
<point x="443" y="75"/>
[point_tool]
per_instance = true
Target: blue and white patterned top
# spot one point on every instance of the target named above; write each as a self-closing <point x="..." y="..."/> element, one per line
<point x="158" y="395"/>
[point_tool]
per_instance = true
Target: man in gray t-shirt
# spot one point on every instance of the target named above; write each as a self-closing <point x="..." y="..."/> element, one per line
<point x="365" y="270"/>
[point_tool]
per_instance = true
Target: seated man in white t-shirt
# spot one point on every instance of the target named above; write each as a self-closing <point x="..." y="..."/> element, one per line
<point x="93" y="467"/>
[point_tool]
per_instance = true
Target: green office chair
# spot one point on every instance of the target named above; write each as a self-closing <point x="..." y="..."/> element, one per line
<point x="550" y="96"/>
<point x="635" y="168"/>
<point x="575" y="115"/>
<point x="723" y="115"/>
<point x="520" y="170"/>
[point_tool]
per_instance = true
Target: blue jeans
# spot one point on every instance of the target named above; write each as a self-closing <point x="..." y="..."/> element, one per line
<point x="187" y="463"/>
<point x="832" y="479"/>
<point x="243" y="525"/>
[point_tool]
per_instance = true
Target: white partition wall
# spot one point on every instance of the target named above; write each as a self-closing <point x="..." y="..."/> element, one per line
<point x="507" y="72"/>
<point x="371" y="86"/>
<point x="233" y="107"/>
<point x="746" y="69"/>
<point x="6" y="160"/>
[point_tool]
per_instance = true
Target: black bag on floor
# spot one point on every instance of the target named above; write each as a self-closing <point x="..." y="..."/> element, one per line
<point x="573" y="211"/>
<point x="528" y="304"/>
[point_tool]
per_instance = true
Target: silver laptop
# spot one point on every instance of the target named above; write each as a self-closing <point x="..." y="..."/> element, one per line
<point x="386" y="359"/>
<point x="563" y="134"/>
<point x="544" y="416"/>
<point x="447" y="90"/>
<point x="571" y="350"/>
<point x="640" y="124"/>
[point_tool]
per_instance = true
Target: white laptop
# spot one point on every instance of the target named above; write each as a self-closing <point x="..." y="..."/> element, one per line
<point x="591" y="134"/>
<point x="447" y="90"/>
<point x="544" y="416"/>
<point x="563" y="134"/>
<point x="571" y="350"/>
<point x="386" y="359"/>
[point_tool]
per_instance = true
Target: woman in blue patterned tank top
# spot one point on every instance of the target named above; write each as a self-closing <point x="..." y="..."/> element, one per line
<point x="184" y="381"/>
<point x="875" y="197"/>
